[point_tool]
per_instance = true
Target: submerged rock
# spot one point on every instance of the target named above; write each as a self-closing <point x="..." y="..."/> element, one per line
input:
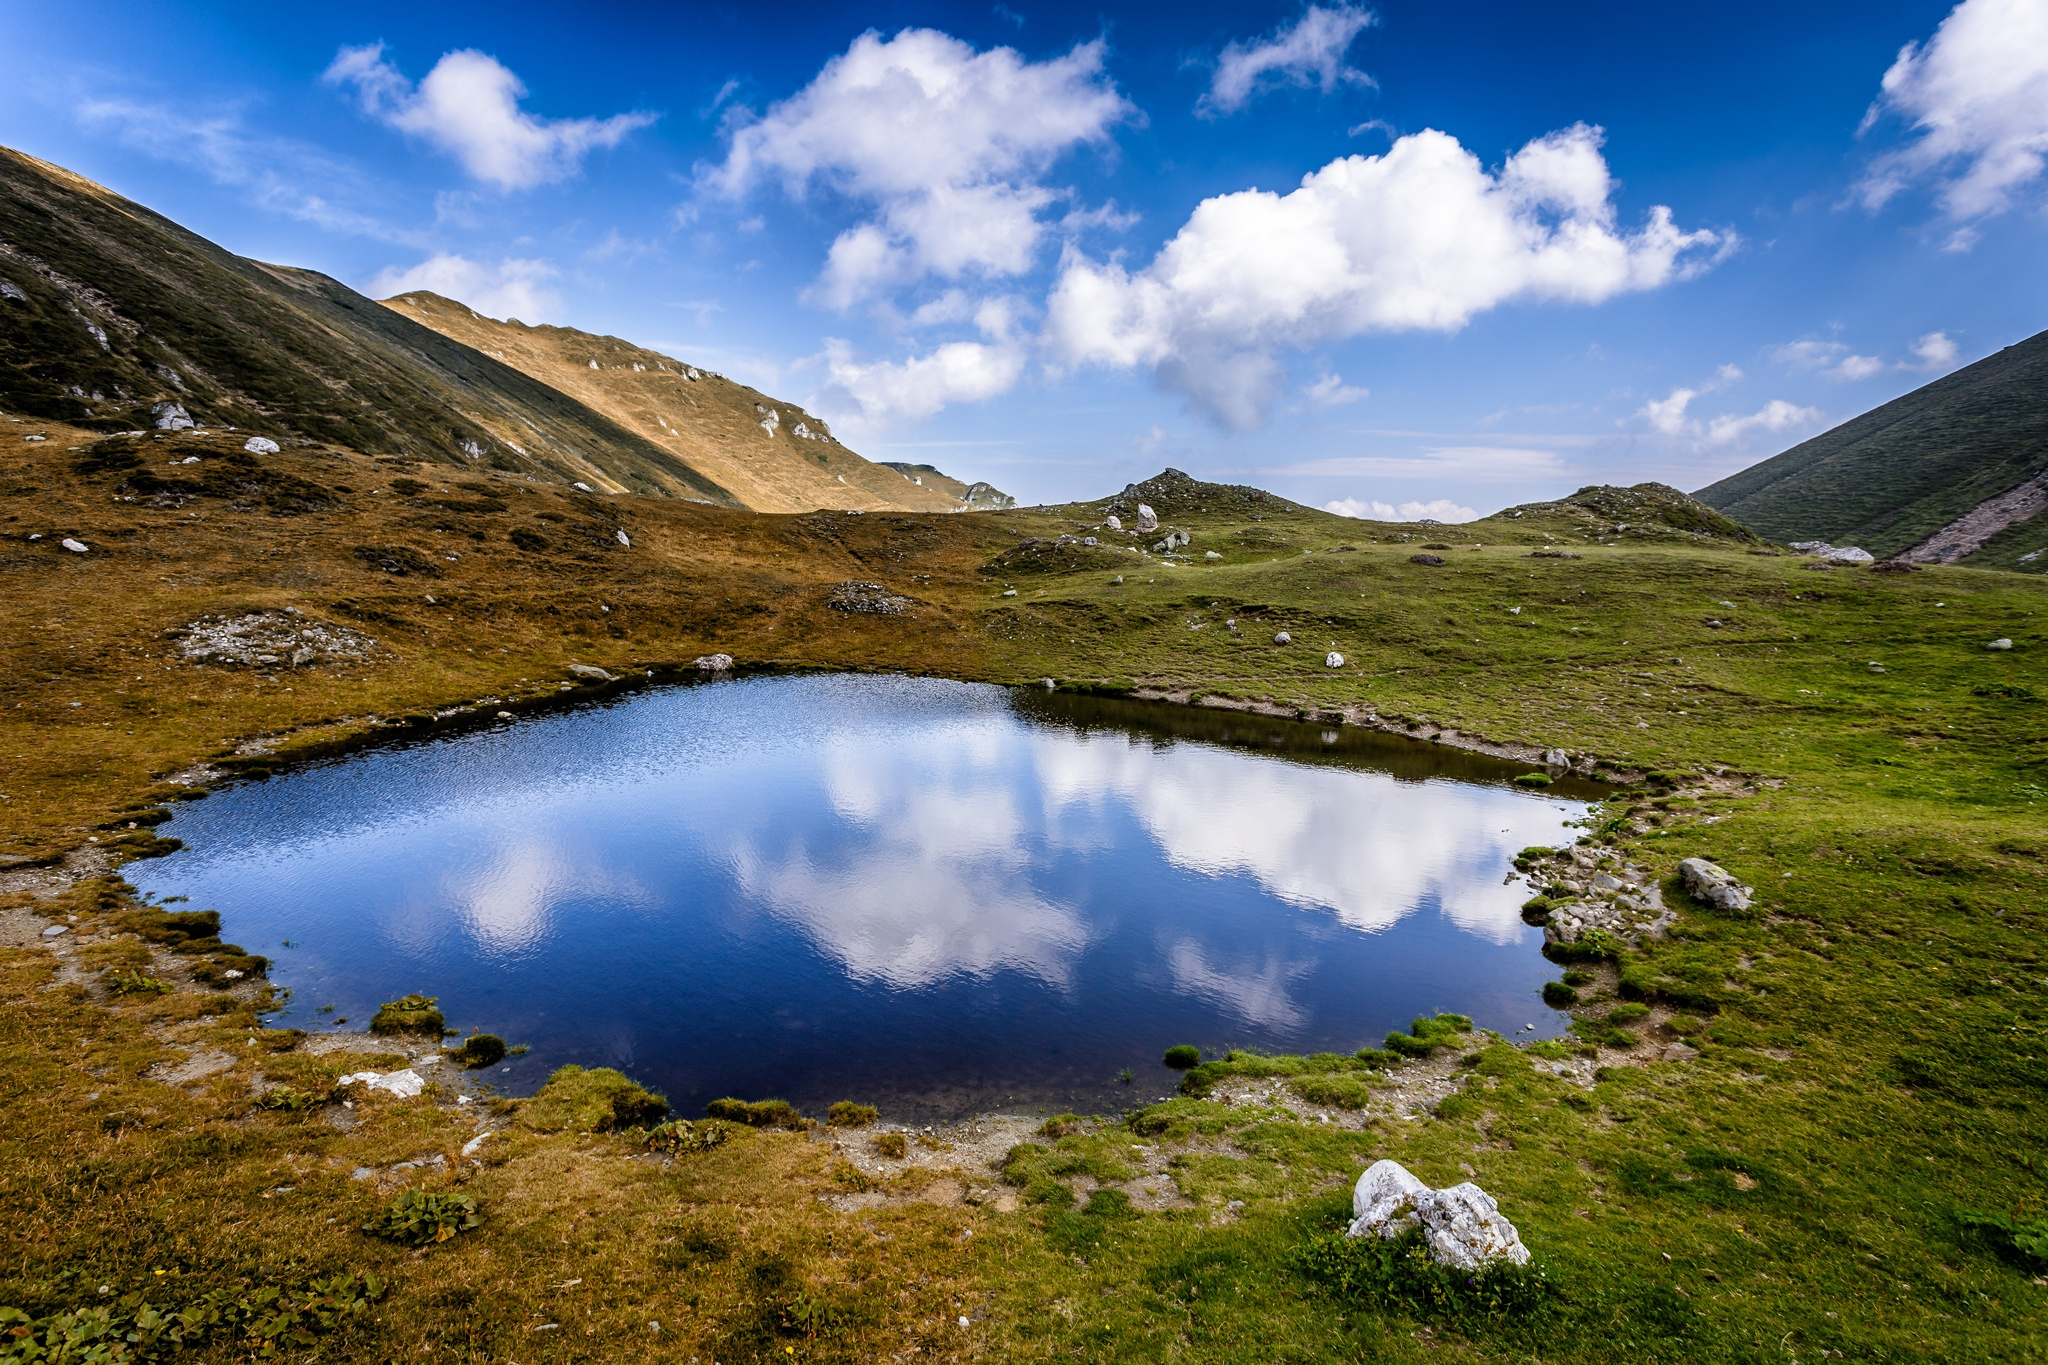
<point x="1461" y="1226"/>
<point x="1714" y="884"/>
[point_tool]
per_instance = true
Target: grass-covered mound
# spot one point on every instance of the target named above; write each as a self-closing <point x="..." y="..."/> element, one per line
<point x="600" y="1100"/>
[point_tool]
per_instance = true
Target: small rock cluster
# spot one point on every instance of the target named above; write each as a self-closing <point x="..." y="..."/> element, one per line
<point x="262" y="639"/>
<point x="1621" y="901"/>
<point x="1461" y="1226"/>
<point x="1830" y="554"/>
<point x="867" y="599"/>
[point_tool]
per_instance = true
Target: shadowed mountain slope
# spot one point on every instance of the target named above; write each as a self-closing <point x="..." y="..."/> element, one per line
<point x="108" y="310"/>
<point x="1954" y="471"/>
<point x="772" y="455"/>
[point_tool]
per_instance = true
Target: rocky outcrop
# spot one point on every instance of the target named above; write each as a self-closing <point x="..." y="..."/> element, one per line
<point x="1712" y="884"/>
<point x="1461" y="1226"/>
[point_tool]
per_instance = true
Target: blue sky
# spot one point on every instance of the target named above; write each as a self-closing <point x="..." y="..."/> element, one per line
<point x="1410" y="258"/>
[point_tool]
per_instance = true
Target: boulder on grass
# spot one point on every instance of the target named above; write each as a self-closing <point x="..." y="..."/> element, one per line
<point x="1714" y="885"/>
<point x="1461" y="1226"/>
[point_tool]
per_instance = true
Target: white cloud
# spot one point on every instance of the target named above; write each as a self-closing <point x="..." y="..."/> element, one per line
<point x="948" y="145"/>
<point x="468" y="106"/>
<point x="1331" y="391"/>
<point x="1831" y="358"/>
<point x="1934" y="351"/>
<point x="1774" y="416"/>
<point x="512" y="288"/>
<point x="1310" y="51"/>
<point x="1469" y="464"/>
<point x="1420" y="237"/>
<point x="1669" y="415"/>
<point x="1372" y="509"/>
<point x="1976" y="96"/>
<point x="956" y="372"/>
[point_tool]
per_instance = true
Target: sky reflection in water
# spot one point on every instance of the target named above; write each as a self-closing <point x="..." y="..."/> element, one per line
<point x="937" y="895"/>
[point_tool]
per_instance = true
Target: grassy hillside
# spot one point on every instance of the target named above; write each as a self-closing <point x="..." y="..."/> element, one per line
<point x="789" y="462"/>
<point x="1811" y="1131"/>
<point x="107" y="309"/>
<point x="1894" y="477"/>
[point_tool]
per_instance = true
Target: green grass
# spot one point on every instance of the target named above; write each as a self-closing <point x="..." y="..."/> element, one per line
<point x="1846" y="1157"/>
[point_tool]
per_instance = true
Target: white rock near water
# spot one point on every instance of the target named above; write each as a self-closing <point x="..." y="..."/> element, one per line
<point x="1461" y="1226"/>
<point x="1714" y="884"/>
<point x="404" y="1084"/>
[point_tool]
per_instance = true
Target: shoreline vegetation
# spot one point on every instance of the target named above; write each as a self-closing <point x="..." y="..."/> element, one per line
<point x="1807" y="1129"/>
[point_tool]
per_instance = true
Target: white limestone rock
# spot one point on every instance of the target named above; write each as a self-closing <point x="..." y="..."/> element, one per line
<point x="260" y="445"/>
<point x="404" y="1084"/>
<point x="1333" y="660"/>
<point x="714" y="663"/>
<point x="1463" y="1229"/>
<point x="1383" y="1200"/>
<point x="1148" y="520"/>
<point x="171" y="417"/>
<point x="2000" y="643"/>
<point x="592" y="672"/>
<point x="1461" y="1226"/>
<point x="1715" y="885"/>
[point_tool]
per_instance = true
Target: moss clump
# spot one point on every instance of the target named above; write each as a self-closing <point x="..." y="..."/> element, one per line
<point x="597" y="1101"/>
<point x="1336" y="1091"/>
<point x="288" y="1100"/>
<point x="1533" y="780"/>
<point x="680" y="1137"/>
<point x="847" y="1114"/>
<point x="1628" y="1014"/>
<point x="894" y="1145"/>
<point x="1061" y="1125"/>
<point x="417" y="1218"/>
<point x="758" y="1113"/>
<point x="1537" y="910"/>
<point x="409" y="1014"/>
<point x="1183" y="1057"/>
<point x="1428" y="1033"/>
<point x="478" y="1051"/>
<point x="1559" y="996"/>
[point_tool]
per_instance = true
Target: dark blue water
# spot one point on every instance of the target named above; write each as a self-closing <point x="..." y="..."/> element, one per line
<point x="932" y="895"/>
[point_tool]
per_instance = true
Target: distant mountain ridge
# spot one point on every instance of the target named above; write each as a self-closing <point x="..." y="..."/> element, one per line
<point x="1954" y="472"/>
<point x="108" y="309"/>
<point x="770" y="454"/>
<point x="110" y="312"/>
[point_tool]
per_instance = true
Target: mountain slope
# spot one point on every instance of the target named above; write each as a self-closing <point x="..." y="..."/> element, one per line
<point x="772" y="455"/>
<point x="973" y="496"/>
<point x="1937" y="475"/>
<point x="108" y="310"/>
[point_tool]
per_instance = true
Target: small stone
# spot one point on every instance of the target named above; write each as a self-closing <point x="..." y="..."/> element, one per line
<point x="1113" y="523"/>
<point x="714" y="663"/>
<point x="623" y="540"/>
<point x="2000" y="643"/>
<point x="1283" y="638"/>
<point x="1876" y="667"/>
<point x="72" y="545"/>
<point x="1427" y="561"/>
<point x="584" y="486"/>
<point x="1210" y="554"/>
<point x="592" y="672"/>
<point x="504" y="715"/>
<point x="1009" y="592"/>
<point x="56" y="929"/>
<point x="260" y="445"/>
<point x="1333" y="660"/>
<point x="1556" y="758"/>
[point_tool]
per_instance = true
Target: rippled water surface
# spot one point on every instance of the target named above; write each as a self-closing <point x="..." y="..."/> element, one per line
<point x="934" y="895"/>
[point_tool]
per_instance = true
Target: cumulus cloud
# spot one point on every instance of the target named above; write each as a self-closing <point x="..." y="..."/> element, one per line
<point x="1310" y="51"/>
<point x="512" y="288"/>
<point x="1935" y="351"/>
<point x="1331" y="391"/>
<point x="1372" y="509"/>
<point x="1976" y="97"/>
<point x="1421" y="237"/>
<point x="947" y="145"/>
<point x="468" y="107"/>
<point x="1669" y="417"/>
<point x="1830" y="358"/>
